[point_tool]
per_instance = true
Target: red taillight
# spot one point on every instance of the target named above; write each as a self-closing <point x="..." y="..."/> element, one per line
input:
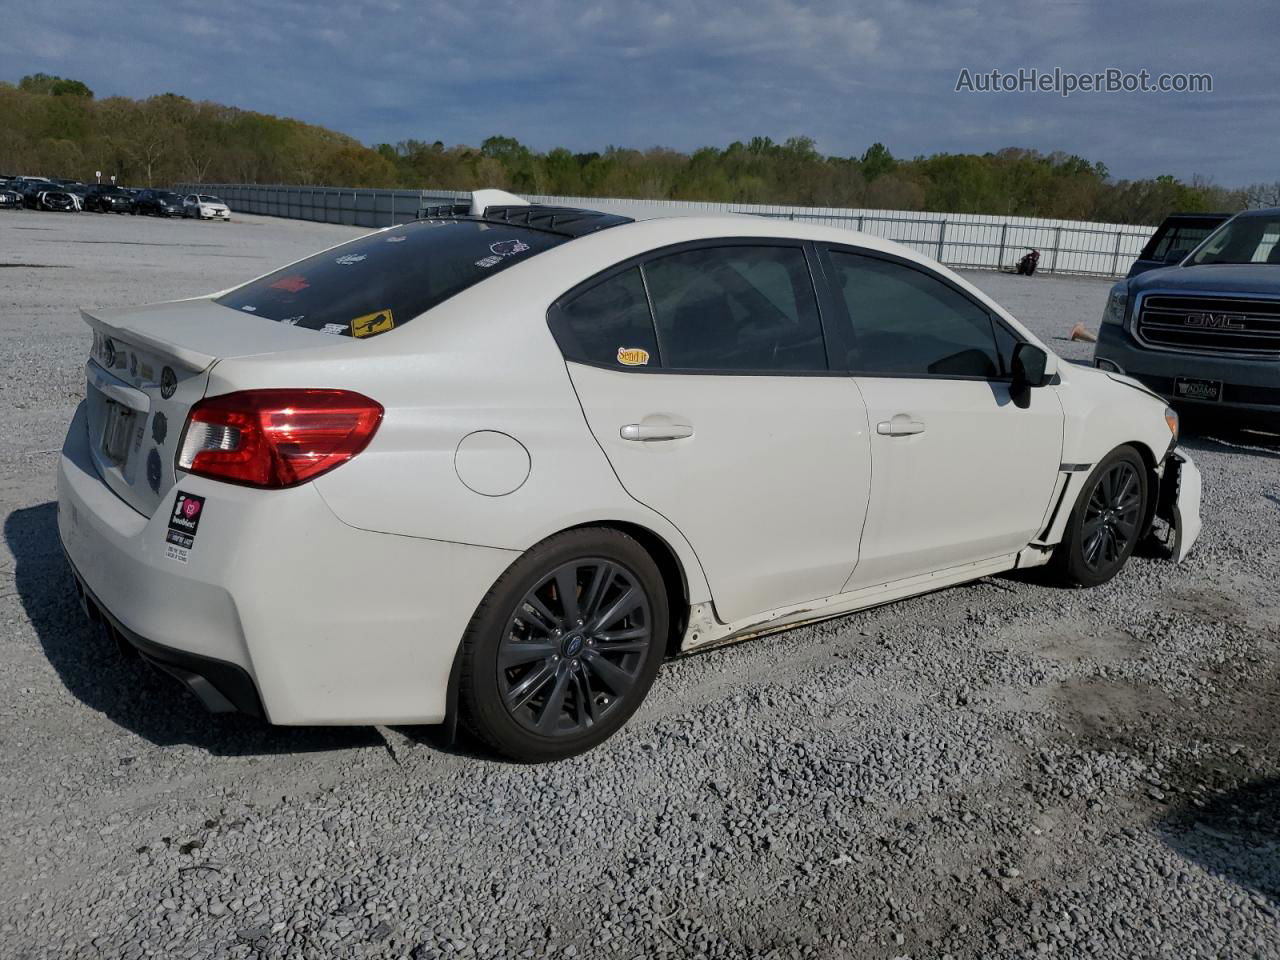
<point x="276" y="438"/>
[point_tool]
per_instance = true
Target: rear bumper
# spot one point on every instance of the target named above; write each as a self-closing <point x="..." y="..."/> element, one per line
<point x="327" y="624"/>
<point x="221" y="686"/>
<point x="1247" y="385"/>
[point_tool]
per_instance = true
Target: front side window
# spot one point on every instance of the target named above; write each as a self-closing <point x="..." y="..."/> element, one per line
<point x="382" y="281"/>
<point x="736" y="308"/>
<point x="908" y="323"/>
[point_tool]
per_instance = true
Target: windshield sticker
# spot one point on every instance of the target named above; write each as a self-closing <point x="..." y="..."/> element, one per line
<point x="293" y="283"/>
<point x="248" y="309"/>
<point x="292" y="321"/>
<point x="338" y="328"/>
<point x="350" y="258"/>
<point x="633" y="356"/>
<point x="183" y="524"/>
<point x="487" y="262"/>
<point x="372" y="323"/>
<point x="401" y="238"/>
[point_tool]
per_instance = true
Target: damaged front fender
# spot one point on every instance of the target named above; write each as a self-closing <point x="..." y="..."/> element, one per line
<point x="1179" y="503"/>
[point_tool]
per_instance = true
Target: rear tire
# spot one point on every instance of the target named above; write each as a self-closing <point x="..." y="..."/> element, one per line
<point x="564" y="647"/>
<point x="1106" y="522"/>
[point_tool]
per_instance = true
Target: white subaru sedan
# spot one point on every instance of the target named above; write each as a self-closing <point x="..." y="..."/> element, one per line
<point x="494" y="465"/>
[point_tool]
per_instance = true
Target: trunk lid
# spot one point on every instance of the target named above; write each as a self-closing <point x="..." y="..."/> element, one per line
<point x="147" y="368"/>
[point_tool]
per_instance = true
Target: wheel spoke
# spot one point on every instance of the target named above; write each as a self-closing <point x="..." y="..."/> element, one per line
<point x="586" y="698"/>
<point x="629" y="633"/>
<point x="519" y="695"/>
<point x="550" y="715"/>
<point x="612" y="675"/>
<point x="604" y="575"/>
<point x="620" y="606"/>
<point x="515" y="654"/>
<point x="544" y="619"/>
<point x="1093" y="546"/>
<point x="622" y="646"/>
<point x="567" y="591"/>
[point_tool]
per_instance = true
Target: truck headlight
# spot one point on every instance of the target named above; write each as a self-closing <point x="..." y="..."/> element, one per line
<point x="1117" y="304"/>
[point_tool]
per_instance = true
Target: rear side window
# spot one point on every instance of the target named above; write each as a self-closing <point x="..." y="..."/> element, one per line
<point x="608" y="324"/>
<point x="1180" y="238"/>
<point x="908" y="323"/>
<point x="736" y="308"/>
<point x="384" y="280"/>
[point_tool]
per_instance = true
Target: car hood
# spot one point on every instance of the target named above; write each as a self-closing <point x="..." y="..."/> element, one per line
<point x="1214" y="278"/>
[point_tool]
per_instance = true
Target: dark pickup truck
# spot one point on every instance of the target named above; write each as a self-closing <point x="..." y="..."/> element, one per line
<point x="1205" y="333"/>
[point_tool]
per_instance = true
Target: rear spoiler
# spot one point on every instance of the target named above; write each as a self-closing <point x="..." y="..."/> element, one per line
<point x="193" y="360"/>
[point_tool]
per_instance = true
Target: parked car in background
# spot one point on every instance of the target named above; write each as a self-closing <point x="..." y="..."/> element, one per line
<point x="10" y="199"/>
<point x="158" y="203"/>
<point x="1177" y="236"/>
<point x="107" y="198"/>
<point x="495" y="459"/>
<point x="1206" y="333"/>
<point x="60" y="199"/>
<point x="204" y="207"/>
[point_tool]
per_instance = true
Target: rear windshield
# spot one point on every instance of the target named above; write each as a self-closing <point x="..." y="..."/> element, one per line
<point x="384" y="280"/>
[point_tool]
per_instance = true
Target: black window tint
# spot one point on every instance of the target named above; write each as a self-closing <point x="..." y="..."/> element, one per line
<point x="384" y="280"/>
<point x="750" y="309"/>
<point x="608" y="324"/>
<point x="906" y="322"/>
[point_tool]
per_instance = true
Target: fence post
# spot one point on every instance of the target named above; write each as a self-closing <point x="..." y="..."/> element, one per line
<point x="1004" y="235"/>
<point x="1115" y="261"/>
<point x="942" y="238"/>
<point x="1057" y="242"/>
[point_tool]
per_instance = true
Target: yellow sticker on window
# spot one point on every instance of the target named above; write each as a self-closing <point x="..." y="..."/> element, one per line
<point x="372" y="323"/>
<point x="633" y="356"/>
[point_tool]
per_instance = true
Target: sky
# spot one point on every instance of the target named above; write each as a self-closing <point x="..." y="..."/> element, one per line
<point x="691" y="73"/>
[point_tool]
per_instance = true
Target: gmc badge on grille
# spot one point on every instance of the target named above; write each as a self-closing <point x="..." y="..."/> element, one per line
<point x="1216" y="321"/>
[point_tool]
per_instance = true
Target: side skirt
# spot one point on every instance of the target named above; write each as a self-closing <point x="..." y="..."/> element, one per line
<point x="705" y="631"/>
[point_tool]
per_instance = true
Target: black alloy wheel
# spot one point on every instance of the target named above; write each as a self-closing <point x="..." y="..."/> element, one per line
<point x="574" y="646"/>
<point x="1107" y="520"/>
<point x="565" y="646"/>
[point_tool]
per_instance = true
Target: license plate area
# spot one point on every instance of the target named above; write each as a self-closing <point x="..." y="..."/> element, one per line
<point x="117" y="431"/>
<point x="1191" y="388"/>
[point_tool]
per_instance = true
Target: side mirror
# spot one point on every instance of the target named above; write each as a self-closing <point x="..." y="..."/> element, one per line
<point x="1030" y="369"/>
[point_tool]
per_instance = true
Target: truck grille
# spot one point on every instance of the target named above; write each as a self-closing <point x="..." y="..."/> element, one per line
<point x="1234" y="325"/>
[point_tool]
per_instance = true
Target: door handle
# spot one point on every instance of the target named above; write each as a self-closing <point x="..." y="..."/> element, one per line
<point x="656" y="431"/>
<point x="900" y="426"/>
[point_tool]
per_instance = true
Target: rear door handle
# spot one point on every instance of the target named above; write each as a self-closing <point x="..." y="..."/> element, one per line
<point x="900" y="426"/>
<point x="656" y="431"/>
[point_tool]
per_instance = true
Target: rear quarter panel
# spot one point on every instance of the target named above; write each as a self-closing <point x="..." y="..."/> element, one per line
<point x="483" y="361"/>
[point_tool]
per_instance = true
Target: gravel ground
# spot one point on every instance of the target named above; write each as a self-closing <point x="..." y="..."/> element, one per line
<point x="996" y="770"/>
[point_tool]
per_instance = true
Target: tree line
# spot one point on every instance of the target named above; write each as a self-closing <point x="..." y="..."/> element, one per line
<point x="53" y="126"/>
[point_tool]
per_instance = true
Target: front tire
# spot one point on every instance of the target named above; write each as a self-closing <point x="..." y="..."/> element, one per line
<point x="1106" y="522"/>
<point x="564" y="647"/>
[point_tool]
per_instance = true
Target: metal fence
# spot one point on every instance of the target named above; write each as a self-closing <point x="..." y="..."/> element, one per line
<point x="971" y="241"/>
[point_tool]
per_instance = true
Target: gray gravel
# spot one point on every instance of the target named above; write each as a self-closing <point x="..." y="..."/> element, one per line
<point x="997" y="770"/>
